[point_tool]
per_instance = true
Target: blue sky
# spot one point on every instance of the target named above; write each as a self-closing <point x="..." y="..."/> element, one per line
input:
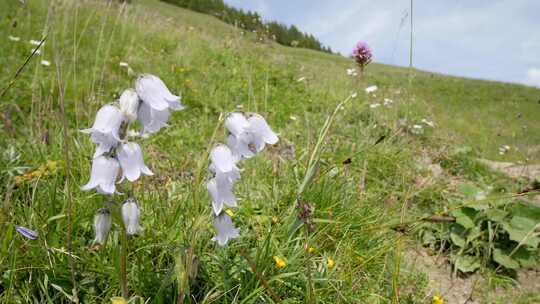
<point x="496" y="40"/>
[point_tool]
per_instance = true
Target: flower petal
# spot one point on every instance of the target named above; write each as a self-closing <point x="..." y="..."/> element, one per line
<point x="236" y="123"/>
<point x="222" y="158"/>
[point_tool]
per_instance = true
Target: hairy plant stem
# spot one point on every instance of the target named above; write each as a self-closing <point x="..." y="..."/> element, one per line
<point x="123" y="261"/>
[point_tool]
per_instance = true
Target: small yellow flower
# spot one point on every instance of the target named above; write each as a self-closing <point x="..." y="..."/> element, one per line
<point x="330" y="263"/>
<point x="52" y="164"/>
<point x="229" y="212"/>
<point x="19" y="180"/>
<point x="118" y="300"/>
<point x="437" y="300"/>
<point x="311" y="250"/>
<point x="280" y="262"/>
<point x="274" y="220"/>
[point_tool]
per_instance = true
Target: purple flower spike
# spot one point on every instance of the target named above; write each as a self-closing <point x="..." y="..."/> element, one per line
<point x="362" y="54"/>
<point x="27" y="233"/>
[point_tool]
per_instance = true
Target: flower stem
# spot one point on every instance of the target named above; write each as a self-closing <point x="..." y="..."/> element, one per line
<point x="123" y="261"/>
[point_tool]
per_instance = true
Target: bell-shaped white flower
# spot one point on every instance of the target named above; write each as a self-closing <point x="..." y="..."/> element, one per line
<point x="102" y="225"/>
<point x="236" y="123"/>
<point x="221" y="190"/>
<point x="155" y="93"/>
<point x="104" y="131"/>
<point x="225" y="229"/>
<point x="261" y="130"/>
<point x="151" y="119"/>
<point x="241" y="146"/>
<point x="222" y="158"/>
<point x="131" y="215"/>
<point x="129" y="104"/>
<point x="131" y="161"/>
<point x="103" y="176"/>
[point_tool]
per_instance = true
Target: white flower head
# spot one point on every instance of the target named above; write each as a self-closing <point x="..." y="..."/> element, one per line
<point x="103" y="176"/>
<point x="261" y="130"/>
<point x="221" y="159"/>
<point x="131" y="161"/>
<point x="104" y="131"/>
<point x="102" y="225"/>
<point x="45" y="63"/>
<point x="152" y="120"/>
<point x="236" y="123"/>
<point x="35" y="42"/>
<point x="221" y="190"/>
<point x="155" y="93"/>
<point x="374" y="105"/>
<point x="371" y="89"/>
<point x="13" y="38"/>
<point x="131" y="215"/>
<point x="388" y="102"/>
<point x="129" y="104"/>
<point x="225" y="229"/>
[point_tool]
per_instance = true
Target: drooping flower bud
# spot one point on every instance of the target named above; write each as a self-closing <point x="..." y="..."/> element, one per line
<point x="103" y="176"/>
<point x="102" y="225"/>
<point x="131" y="215"/>
<point x="27" y="233"/>
<point x="225" y="229"/>
<point x="129" y="104"/>
<point x="131" y="160"/>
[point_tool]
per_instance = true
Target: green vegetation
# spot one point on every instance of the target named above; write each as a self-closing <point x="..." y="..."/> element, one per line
<point x="370" y="188"/>
<point x="251" y="21"/>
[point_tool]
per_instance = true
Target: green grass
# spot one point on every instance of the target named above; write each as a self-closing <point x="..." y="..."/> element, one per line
<point x="217" y="69"/>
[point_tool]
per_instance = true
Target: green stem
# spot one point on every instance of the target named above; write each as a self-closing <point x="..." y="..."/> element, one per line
<point x="123" y="262"/>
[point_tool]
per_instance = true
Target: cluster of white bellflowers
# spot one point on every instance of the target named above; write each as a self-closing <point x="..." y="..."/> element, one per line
<point x="248" y="133"/>
<point x="149" y="104"/>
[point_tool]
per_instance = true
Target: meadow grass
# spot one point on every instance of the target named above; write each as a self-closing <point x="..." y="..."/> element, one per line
<point x="362" y="188"/>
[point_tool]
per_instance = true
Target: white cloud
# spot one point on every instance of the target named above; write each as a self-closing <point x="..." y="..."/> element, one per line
<point x="533" y="77"/>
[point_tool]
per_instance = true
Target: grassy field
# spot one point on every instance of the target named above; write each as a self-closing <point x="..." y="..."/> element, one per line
<point x="364" y="189"/>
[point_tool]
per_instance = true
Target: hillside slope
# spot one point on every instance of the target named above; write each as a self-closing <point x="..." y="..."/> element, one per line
<point x="376" y="171"/>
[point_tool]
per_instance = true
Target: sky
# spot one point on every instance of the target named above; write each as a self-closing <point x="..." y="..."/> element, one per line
<point x="486" y="39"/>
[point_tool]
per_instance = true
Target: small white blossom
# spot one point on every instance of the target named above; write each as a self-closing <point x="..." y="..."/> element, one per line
<point x="131" y="161"/>
<point x="352" y="72"/>
<point x="129" y="104"/>
<point x="104" y="131"/>
<point x="371" y="89"/>
<point x="103" y="175"/>
<point x="102" y="225"/>
<point x="35" y="42"/>
<point x="248" y="135"/>
<point x="123" y="64"/>
<point x="131" y="215"/>
<point x="354" y="94"/>
<point x="221" y="190"/>
<point x="374" y="105"/>
<point x="13" y="38"/>
<point x="154" y="92"/>
<point x="152" y="120"/>
<point x="236" y="123"/>
<point x="388" y="102"/>
<point x="225" y="229"/>
<point x="45" y="63"/>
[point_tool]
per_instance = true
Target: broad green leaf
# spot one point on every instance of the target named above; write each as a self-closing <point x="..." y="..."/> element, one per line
<point x="518" y="229"/>
<point x="496" y="215"/>
<point x="525" y="257"/>
<point x="465" y="217"/>
<point x="504" y="260"/>
<point x="468" y="190"/>
<point x="467" y="263"/>
<point x="457" y="239"/>
<point x="527" y="211"/>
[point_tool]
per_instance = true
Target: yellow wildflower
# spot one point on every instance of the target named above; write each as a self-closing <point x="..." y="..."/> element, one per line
<point x="274" y="220"/>
<point x="280" y="262"/>
<point x="311" y="250"/>
<point x="19" y="180"/>
<point x="330" y="263"/>
<point x="437" y="300"/>
<point x="118" y="300"/>
<point x="229" y="212"/>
